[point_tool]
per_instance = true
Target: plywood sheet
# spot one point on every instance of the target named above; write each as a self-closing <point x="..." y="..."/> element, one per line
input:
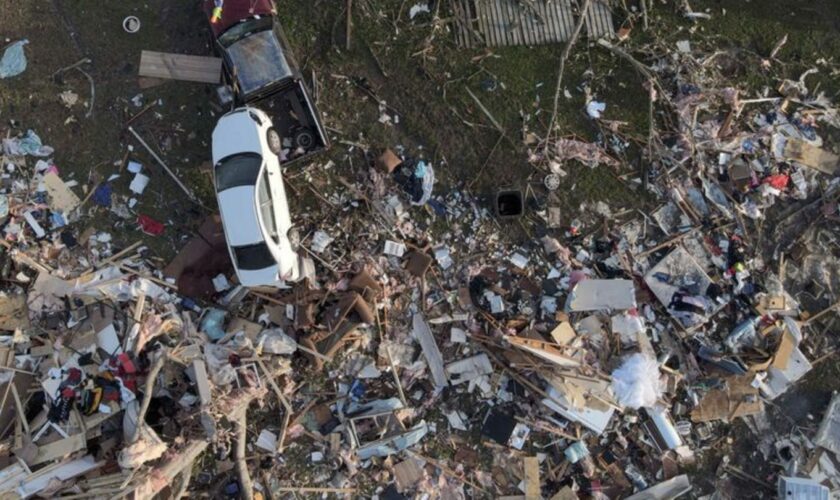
<point x="180" y="67"/>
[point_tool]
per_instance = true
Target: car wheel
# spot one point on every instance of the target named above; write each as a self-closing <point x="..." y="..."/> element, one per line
<point x="294" y="238"/>
<point x="304" y="139"/>
<point x="275" y="144"/>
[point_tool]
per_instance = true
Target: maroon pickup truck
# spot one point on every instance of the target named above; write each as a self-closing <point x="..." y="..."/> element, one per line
<point x="262" y="72"/>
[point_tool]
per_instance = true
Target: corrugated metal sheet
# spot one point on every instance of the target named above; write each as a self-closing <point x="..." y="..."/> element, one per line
<point x="499" y="23"/>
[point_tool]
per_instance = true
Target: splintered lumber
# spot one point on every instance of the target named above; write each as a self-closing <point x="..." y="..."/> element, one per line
<point x="312" y="489"/>
<point x="165" y="474"/>
<point x="247" y="486"/>
<point x="199" y="69"/>
<point x="545" y="350"/>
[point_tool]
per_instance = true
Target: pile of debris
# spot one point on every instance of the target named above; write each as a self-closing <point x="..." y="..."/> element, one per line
<point x="600" y="359"/>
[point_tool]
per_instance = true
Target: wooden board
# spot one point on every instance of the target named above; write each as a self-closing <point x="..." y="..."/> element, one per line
<point x="545" y="350"/>
<point x="60" y="448"/>
<point x="812" y="156"/>
<point x="14" y="313"/>
<point x="62" y="198"/>
<point x="204" y="392"/>
<point x="407" y="473"/>
<point x="532" y="478"/>
<point x="180" y="67"/>
<point x="738" y="399"/>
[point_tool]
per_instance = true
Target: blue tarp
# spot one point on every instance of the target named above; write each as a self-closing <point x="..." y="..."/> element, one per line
<point x="13" y="62"/>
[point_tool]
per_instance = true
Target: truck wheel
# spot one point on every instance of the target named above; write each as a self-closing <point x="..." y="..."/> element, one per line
<point x="275" y="144"/>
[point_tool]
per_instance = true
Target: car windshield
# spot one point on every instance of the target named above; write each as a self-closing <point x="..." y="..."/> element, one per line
<point x="238" y="170"/>
<point x="258" y="60"/>
<point x="254" y="257"/>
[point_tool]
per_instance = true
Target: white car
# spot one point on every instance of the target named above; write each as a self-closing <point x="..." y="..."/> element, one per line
<point x="252" y="198"/>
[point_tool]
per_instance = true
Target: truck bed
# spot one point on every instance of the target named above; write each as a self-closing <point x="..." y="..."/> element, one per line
<point x="294" y="117"/>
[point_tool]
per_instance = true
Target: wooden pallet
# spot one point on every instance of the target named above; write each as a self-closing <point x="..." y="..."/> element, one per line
<point x="180" y="67"/>
<point x="499" y="23"/>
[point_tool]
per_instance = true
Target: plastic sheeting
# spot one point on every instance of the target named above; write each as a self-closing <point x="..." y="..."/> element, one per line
<point x="275" y="341"/>
<point x="636" y="382"/>
<point x="30" y="144"/>
<point x="13" y="62"/>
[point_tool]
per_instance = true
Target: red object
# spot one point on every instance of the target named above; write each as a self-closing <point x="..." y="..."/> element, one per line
<point x="236" y="11"/>
<point x="126" y="365"/>
<point x="778" y="181"/>
<point x="150" y="226"/>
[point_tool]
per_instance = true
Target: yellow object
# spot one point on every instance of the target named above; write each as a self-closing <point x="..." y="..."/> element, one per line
<point x="217" y="15"/>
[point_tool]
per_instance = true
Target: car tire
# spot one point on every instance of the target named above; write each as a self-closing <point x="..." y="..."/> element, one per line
<point x="275" y="144"/>
<point x="304" y="138"/>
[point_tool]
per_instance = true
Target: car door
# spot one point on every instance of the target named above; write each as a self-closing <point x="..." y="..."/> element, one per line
<point x="280" y="206"/>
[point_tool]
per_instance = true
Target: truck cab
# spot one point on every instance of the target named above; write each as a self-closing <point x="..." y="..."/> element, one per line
<point x="262" y="72"/>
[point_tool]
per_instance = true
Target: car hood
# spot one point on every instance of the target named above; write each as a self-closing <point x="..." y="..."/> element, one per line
<point x="239" y="216"/>
<point x="236" y="132"/>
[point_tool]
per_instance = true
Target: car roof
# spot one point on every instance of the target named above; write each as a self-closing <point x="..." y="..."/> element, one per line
<point x="235" y="11"/>
<point x="238" y="208"/>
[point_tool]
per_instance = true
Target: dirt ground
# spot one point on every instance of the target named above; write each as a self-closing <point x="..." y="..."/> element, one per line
<point x="422" y="75"/>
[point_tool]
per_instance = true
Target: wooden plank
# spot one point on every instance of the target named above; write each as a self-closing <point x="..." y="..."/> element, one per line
<point x="546" y="350"/>
<point x="500" y="25"/>
<point x="599" y="20"/>
<point x="62" y="198"/>
<point x="531" y="25"/>
<point x="514" y="22"/>
<point x="563" y="334"/>
<point x="200" y="371"/>
<point x="552" y="16"/>
<point x="180" y="67"/>
<point x="60" y="448"/>
<point x="532" y="478"/>
<point x="545" y="26"/>
<point x="811" y="156"/>
<point x="493" y="14"/>
<point x="483" y="25"/>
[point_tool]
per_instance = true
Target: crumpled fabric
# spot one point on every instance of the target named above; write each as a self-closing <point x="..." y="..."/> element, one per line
<point x="636" y="382"/>
<point x="778" y="181"/>
<point x="13" y="62"/>
<point x="150" y="226"/>
<point x="30" y="144"/>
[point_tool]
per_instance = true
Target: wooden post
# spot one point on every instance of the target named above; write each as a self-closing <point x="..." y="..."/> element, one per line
<point x="349" y="23"/>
